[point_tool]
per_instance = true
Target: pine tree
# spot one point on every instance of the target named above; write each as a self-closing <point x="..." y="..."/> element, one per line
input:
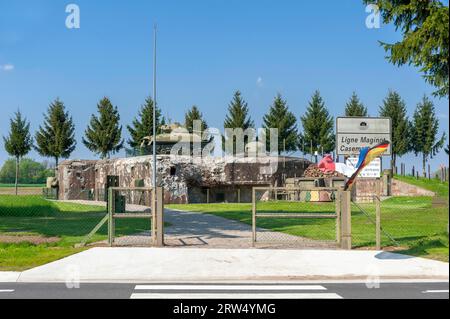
<point x="19" y="142"/>
<point x="56" y="138"/>
<point x="355" y="108"/>
<point x="425" y="32"/>
<point x="192" y="115"/>
<point x="103" y="135"/>
<point x="238" y="117"/>
<point x="395" y="108"/>
<point x="281" y="118"/>
<point x="318" y="127"/>
<point x="143" y="124"/>
<point x="425" y="128"/>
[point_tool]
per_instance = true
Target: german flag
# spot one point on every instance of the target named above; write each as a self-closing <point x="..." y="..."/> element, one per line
<point x="366" y="156"/>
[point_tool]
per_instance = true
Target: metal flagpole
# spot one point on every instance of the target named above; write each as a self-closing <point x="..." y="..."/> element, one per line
<point x="154" y="224"/>
<point x="154" y="108"/>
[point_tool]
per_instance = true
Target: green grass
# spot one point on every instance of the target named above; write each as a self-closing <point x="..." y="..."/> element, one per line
<point x="70" y="223"/>
<point x="23" y="185"/>
<point x="18" y="257"/>
<point x="419" y="228"/>
<point x="434" y="185"/>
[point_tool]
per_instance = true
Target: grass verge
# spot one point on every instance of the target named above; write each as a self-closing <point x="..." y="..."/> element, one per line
<point x="434" y="185"/>
<point x="22" y="185"/>
<point x="34" y="231"/>
<point x="419" y="228"/>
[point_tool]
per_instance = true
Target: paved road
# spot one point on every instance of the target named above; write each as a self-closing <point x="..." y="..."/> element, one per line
<point x="243" y="290"/>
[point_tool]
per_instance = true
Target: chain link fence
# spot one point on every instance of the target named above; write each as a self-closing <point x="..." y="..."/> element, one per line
<point x="296" y="217"/>
<point x="286" y="217"/>
<point x="40" y="220"/>
<point x="412" y="225"/>
<point x="130" y="209"/>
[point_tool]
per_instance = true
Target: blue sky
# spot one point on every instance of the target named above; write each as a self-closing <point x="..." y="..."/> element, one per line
<point x="207" y="50"/>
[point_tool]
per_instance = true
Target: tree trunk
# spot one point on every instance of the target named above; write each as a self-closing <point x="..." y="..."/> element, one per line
<point x="393" y="162"/>
<point x="424" y="162"/>
<point x="17" y="176"/>
<point x="56" y="166"/>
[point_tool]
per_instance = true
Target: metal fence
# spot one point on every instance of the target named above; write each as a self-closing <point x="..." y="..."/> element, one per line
<point x="410" y="225"/>
<point x="442" y="173"/>
<point x="299" y="217"/>
<point x="50" y="193"/>
<point x="138" y="210"/>
<point x="41" y="220"/>
<point x="281" y="216"/>
<point x="125" y="220"/>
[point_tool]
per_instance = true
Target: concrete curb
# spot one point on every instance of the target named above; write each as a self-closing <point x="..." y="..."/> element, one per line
<point x="9" y="276"/>
<point x="147" y="265"/>
<point x="282" y="280"/>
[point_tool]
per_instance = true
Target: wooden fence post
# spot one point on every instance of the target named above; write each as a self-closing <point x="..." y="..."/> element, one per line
<point x="154" y="231"/>
<point x="378" y="216"/>
<point x="346" y="220"/>
<point x="338" y="196"/>
<point x="253" y="217"/>
<point x="159" y="217"/>
<point x="111" y="209"/>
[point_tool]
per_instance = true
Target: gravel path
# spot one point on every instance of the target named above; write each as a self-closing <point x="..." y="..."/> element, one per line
<point x="199" y="230"/>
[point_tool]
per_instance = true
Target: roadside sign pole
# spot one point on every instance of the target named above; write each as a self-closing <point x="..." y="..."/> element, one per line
<point x="154" y="109"/>
<point x="159" y="217"/>
<point x="378" y="215"/>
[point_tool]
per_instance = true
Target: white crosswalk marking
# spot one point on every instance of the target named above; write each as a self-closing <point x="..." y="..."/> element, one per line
<point x="230" y="287"/>
<point x="244" y="291"/>
<point x="6" y="290"/>
<point x="435" y="291"/>
<point x="236" y="296"/>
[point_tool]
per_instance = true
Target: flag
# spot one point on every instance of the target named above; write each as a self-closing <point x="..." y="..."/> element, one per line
<point x="366" y="156"/>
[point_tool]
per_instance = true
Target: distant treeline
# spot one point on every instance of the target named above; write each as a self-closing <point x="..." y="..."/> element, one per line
<point x="31" y="172"/>
<point x="310" y="132"/>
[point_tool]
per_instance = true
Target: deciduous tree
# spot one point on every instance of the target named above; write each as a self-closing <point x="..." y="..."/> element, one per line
<point x="31" y="172"/>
